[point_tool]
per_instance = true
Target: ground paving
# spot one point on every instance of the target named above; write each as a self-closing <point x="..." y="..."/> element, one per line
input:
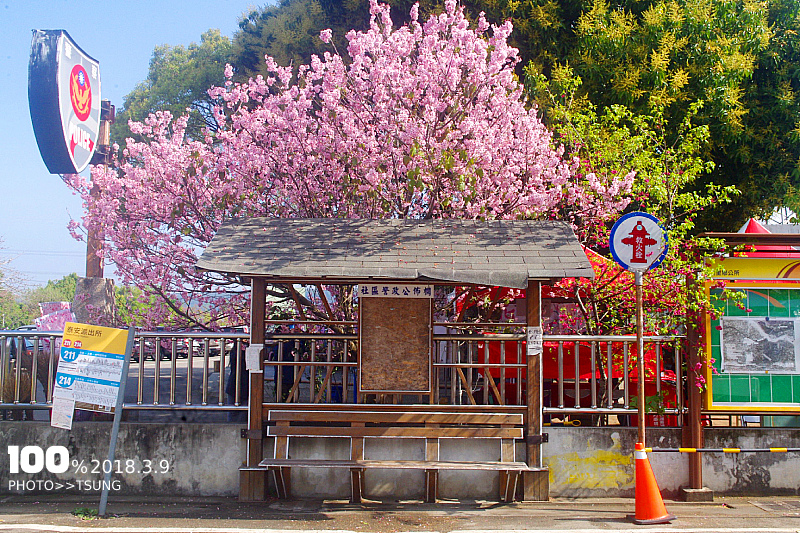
<point x="227" y="515"/>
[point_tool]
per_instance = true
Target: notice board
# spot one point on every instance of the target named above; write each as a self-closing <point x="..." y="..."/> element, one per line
<point x="754" y="342"/>
<point x="395" y="345"/>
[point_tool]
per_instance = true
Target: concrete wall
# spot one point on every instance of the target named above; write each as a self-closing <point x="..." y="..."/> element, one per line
<point x="200" y="459"/>
<point x="743" y="474"/>
<point x="203" y="460"/>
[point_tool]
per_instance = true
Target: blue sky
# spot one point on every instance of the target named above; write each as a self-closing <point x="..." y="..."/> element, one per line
<point x="36" y="206"/>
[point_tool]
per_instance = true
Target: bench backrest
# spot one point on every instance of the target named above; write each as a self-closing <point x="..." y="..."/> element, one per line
<point x="394" y="424"/>
<point x="396" y="417"/>
<point x="357" y="425"/>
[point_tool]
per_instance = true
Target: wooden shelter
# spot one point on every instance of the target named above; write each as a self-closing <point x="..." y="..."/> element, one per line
<point x="394" y="343"/>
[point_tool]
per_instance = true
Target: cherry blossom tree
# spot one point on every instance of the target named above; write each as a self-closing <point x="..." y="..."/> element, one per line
<point x="422" y="121"/>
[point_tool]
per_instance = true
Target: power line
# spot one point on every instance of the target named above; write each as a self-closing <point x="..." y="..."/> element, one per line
<point x="53" y="253"/>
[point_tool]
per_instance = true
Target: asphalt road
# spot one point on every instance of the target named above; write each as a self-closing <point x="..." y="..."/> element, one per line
<point x="220" y="515"/>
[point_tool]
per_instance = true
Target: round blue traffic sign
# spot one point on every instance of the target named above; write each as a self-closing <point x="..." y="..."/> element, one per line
<point x="638" y="242"/>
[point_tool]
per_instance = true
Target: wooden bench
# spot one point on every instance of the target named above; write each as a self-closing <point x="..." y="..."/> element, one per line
<point x="360" y="425"/>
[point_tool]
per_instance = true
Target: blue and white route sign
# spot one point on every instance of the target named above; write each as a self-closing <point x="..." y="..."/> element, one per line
<point x="90" y="368"/>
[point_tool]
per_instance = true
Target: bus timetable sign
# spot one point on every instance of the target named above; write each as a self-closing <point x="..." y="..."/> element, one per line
<point x="64" y="99"/>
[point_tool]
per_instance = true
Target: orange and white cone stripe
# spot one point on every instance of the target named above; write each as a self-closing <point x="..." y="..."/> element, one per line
<point x="649" y="505"/>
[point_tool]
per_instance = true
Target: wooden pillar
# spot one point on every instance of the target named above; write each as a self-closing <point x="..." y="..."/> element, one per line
<point x="695" y="397"/>
<point x="253" y="483"/>
<point x="94" y="246"/>
<point x="536" y="484"/>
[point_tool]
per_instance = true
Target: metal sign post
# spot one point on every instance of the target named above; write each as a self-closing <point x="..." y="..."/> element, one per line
<point x="92" y="371"/>
<point x="638" y="244"/>
<point x="638" y="274"/>
<point x="112" y="447"/>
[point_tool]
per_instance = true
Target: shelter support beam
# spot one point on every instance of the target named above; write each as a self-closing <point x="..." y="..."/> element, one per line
<point x="536" y="485"/>
<point x="253" y="483"/>
<point x="693" y="431"/>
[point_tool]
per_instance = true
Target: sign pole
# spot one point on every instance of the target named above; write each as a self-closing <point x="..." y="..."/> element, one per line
<point x="112" y="447"/>
<point x="638" y="243"/>
<point x="638" y="275"/>
<point x="102" y="156"/>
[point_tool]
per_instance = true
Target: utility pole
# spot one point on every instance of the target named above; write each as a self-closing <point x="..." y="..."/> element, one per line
<point x="102" y="156"/>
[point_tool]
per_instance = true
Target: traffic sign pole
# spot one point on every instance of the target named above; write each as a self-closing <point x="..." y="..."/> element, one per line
<point x="112" y="447"/>
<point x="638" y="243"/>
<point x="638" y="274"/>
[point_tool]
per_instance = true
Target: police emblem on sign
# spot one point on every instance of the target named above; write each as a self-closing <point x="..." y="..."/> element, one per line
<point x="80" y="92"/>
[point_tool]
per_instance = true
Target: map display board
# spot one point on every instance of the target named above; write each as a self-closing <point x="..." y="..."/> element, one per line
<point x="754" y="342"/>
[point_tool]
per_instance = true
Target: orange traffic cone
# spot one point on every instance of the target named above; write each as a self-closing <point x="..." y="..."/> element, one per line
<point x="649" y="505"/>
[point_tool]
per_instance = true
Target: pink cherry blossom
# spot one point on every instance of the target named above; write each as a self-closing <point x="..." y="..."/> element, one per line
<point x="426" y="120"/>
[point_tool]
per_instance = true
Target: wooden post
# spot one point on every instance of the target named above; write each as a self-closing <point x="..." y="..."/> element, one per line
<point x="253" y="483"/>
<point x="94" y="261"/>
<point x="695" y="427"/>
<point x="536" y="485"/>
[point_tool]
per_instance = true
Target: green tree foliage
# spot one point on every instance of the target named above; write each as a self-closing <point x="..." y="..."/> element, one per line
<point x="62" y="290"/>
<point x="677" y="61"/>
<point x="12" y="312"/>
<point x="671" y="55"/>
<point x="178" y="79"/>
<point x="543" y="29"/>
<point x="131" y="304"/>
<point x="20" y="307"/>
<point x="665" y="57"/>
<point x="764" y="159"/>
<point x="289" y="32"/>
<point x="668" y="163"/>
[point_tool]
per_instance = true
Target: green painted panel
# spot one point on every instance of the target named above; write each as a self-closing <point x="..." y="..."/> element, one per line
<point x="734" y="308"/>
<point x="721" y="388"/>
<point x="740" y="388"/>
<point x="782" y="421"/>
<point x="718" y="303"/>
<point x="781" y="389"/>
<point x="796" y="389"/>
<point x="757" y="303"/>
<point x="760" y="388"/>
<point x="780" y="302"/>
<point x="715" y="324"/>
<point x="716" y="355"/>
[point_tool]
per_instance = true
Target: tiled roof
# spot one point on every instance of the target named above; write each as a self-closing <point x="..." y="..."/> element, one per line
<point x="494" y="253"/>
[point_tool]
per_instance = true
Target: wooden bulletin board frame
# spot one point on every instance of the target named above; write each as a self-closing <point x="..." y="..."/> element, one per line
<point x="761" y="374"/>
<point x="395" y="342"/>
